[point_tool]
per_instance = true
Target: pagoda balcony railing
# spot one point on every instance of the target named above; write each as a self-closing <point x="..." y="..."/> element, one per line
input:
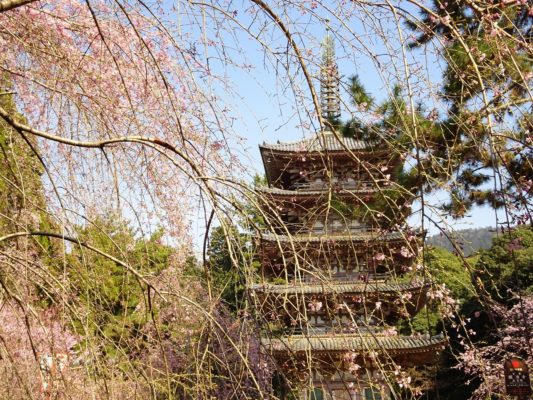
<point x="337" y="230"/>
<point x="349" y="277"/>
<point x="321" y="185"/>
<point x="343" y="230"/>
<point x="323" y="329"/>
<point x="338" y="278"/>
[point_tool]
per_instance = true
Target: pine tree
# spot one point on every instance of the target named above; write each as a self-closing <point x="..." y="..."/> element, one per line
<point x="488" y="124"/>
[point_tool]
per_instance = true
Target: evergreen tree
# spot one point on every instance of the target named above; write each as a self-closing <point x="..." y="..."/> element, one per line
<point x="506" y="268"/>
<point x="22" y="200"/>
<point x="395" y="126"/>
<point x="23" y="209"/>
<point x="224" y="266"/>
<point x="487" y="50"/>
<point x="109" y="296"/>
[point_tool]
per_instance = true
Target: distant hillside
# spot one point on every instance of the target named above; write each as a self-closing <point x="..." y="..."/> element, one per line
<point x="471" y="240"/>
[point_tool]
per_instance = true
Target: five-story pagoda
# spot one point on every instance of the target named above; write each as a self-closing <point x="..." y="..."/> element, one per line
<point x="337" y="264"/>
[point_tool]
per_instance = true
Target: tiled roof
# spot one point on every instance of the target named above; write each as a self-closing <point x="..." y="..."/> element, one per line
<point x="354" y="342"/>
<point x="284" y="192"/>
<point x="351" y="237"/>
<point x="320" y="142"/>
<point x="339" y="287"/>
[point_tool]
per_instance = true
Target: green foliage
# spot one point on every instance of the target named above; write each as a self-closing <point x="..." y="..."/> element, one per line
<point x="487" y="50"/>
<point x="224" y="265"/>
<point x="400" y="126"/>
<point x="444" y="268"/>
<point x="447" y="268"/>
<point x="359" y="95"/>
<point x="397" y="122"/>
<point x="506" y="267"/>
<point x="496" y="273"/>
<point x="252" y="211"/>
<point x="110" y="295"/>
<point x="192" y="269"/>
<point x="427" y="320"/>
<point x="334" y="122"/>
<point x="22" y="202"/>
<point x="354" y="128"/>
<point x="363" y="101"/>
<point x="259" y="180"/>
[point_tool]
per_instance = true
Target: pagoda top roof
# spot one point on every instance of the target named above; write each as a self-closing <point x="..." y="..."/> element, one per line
<point x="322" y="141"/>
<point x="355" y="342"/>
<point x="339" y="287"/>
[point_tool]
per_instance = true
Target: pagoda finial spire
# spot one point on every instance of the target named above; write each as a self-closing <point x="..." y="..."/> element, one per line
<point x="329" y="80"/>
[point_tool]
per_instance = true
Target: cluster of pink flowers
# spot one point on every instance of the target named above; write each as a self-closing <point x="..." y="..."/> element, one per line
<point x="390" y="331"/>
<point x="104" y="71"/>
<point x="315" y="306"/>
<point x="38" y="350"/>
<point x="405" y="252"/>
<point x="379" y="257"/>
<point x="485" y="362"/>
<point x="349" y="358"/>
<point x="447" y="304"/>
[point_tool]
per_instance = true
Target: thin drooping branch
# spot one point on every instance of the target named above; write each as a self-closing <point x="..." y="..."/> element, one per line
<point x="299" y="56"/>
<point x="6" y="5"/>
<point x="83" y="244"/>
<point x="101" y="144"/>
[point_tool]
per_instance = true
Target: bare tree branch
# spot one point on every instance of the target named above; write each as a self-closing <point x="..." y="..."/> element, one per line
<point x="6" y="5"/>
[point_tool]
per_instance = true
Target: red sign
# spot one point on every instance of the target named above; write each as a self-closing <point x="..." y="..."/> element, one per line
<point x="517" y="378"/>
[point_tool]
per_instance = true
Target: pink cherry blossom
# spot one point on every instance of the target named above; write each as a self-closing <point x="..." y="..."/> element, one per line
<point x="405" y="252"/>
<point x="315" y="306"/>
<point x="485" y="361"/>
<point x="390" y="331"/>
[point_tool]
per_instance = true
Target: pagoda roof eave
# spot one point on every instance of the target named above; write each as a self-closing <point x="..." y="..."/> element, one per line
<point x="312" y="193"/>
<point x="355" y="342"/>
<point x="319" y="143"/>
<point x="341" y="287"/>
<point x="323" y="238"/>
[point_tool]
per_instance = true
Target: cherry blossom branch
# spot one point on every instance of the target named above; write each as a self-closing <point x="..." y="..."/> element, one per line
<point x="100" y="144"/>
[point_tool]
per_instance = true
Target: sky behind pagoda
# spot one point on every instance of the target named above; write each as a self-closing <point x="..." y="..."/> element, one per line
<point x="267" y="110"/>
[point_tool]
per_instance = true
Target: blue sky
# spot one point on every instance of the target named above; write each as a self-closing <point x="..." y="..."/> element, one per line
<point x="267" y="108"/>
